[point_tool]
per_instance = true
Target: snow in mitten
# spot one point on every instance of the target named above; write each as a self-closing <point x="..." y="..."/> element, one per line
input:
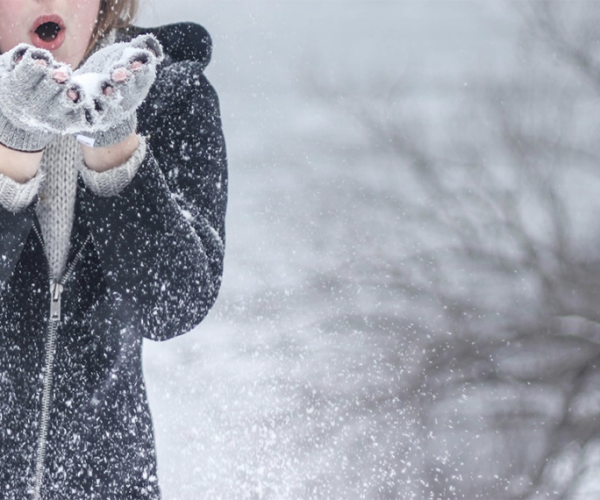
<point x="112" y="83"/>
<point x="35" y="99"/>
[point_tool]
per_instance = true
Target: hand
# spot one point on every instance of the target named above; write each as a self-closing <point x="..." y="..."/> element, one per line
<point x="111" y="85"/>
<point x="36" y="101"/>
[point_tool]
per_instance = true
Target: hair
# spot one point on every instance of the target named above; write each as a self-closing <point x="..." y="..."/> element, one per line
<point x="113" y="14"/>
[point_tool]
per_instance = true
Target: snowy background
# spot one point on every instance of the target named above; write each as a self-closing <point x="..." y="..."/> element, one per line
<point x="297" y="386"/>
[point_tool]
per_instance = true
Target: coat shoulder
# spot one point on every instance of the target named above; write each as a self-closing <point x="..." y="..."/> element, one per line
<point x="180" y="41"/>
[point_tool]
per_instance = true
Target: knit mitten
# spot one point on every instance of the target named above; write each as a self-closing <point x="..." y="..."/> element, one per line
<point x="112" y="83"/>
<point x="35" y="102"/>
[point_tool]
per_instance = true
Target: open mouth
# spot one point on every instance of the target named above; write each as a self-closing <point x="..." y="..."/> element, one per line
<point x="48" y="31"/>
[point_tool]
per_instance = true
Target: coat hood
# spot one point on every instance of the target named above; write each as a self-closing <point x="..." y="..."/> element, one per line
<point x="186" y="41"/>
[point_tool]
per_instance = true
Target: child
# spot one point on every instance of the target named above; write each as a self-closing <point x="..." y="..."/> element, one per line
<point x="113" y="189"/>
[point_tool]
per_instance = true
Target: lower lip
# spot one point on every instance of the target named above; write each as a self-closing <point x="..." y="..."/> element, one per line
<point x="49" y="45"/>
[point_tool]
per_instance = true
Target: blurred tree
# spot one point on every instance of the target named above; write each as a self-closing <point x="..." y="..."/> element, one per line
<point x="478" y="225"/>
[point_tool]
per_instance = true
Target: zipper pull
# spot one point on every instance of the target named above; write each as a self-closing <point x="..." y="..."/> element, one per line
<point x="56" y="292"/>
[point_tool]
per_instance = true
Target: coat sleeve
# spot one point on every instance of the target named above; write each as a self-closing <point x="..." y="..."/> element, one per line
<point x="161" y="240"/>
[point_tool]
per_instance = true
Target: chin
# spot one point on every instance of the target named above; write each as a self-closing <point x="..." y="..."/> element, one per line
<point x="70" y="59"/>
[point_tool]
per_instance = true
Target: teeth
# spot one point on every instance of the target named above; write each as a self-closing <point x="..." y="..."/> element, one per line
<point x="48" y="31"/>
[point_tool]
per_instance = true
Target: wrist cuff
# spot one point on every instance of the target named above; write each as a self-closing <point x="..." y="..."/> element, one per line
<point x="20" y="140"/>
<point x="113" y="135"/>
<point x="15" y="196"/>
<point x="111" y="182"/>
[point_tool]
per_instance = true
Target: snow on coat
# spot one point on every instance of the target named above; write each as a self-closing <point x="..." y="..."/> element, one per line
<point x="150" y="262"/>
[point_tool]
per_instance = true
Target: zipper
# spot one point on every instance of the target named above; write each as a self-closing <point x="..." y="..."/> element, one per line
<point x="56" y="290"/>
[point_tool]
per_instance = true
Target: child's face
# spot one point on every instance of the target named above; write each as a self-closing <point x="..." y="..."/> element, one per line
<point x="37" y="22"/>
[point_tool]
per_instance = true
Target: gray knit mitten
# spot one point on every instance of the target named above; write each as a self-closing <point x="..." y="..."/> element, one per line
<point x="112" y="83"/>
<point x="36" y="101"/>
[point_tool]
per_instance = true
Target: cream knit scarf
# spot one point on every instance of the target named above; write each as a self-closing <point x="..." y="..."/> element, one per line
<point x="55" y="208"/>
